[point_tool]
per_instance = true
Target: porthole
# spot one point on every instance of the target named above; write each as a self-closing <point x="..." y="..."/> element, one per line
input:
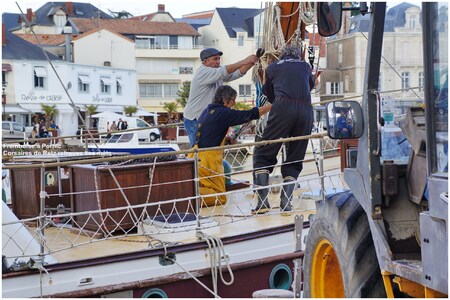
<point x="154" y="293"/>
<point x="280" y="277"/>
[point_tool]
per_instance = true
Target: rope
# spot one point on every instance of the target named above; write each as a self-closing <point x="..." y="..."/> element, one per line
<point x="216" y="253"/>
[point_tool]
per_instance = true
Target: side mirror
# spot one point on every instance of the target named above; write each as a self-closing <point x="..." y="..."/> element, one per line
<point x="344" y="120"/>
<point x="329" y="18"/>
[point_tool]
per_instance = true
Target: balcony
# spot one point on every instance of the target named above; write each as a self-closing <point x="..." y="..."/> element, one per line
<point x="168" y="52"/>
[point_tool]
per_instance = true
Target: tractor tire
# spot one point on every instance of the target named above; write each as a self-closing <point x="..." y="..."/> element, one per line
<point x="340" y="259"/>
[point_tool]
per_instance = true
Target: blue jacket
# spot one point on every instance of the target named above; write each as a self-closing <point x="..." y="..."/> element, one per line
<point x="215" y="120"/>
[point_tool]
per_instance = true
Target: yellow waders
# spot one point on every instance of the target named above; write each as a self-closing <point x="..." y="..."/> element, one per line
<point x="211" y="174"/>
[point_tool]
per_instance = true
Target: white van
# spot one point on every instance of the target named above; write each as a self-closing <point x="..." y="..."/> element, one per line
<point x="151" y="134"/>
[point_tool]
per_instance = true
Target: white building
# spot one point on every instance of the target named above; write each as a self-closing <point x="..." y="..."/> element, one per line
<point x="32" y="81"/>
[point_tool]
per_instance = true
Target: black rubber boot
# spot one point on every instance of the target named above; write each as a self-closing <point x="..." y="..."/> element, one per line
<point x="286" y="195"/>
<point x="261" y="178"/>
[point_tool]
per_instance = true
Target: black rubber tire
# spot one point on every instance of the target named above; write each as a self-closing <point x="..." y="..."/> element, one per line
<point x="341" y="220"/>
<point x="152" y="137"/>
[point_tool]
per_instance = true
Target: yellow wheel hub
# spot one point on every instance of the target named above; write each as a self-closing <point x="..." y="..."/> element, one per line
<point x="326" y="275"/>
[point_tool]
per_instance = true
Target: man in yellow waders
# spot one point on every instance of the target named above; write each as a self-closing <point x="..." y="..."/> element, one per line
<point x="212" y="129"/>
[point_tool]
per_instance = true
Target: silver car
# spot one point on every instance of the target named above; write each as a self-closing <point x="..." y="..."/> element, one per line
<point x="12" y="131"/>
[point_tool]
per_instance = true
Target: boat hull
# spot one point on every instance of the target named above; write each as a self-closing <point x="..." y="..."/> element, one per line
<point x="252" y="259"/>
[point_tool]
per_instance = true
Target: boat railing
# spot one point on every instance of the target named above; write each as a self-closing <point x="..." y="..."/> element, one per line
<point x="158" y="220"/>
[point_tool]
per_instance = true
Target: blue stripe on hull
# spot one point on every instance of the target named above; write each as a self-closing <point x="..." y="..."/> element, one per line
<point x="132" y="150"/>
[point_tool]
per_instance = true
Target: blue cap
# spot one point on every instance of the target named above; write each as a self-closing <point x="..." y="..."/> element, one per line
<point x="208" y="52"/>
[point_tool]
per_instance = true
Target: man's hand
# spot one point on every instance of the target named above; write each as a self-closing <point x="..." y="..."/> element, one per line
<point x="252" y="59"/>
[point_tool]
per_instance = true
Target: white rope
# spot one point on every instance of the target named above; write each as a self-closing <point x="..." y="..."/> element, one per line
<point x="216" y="252"/>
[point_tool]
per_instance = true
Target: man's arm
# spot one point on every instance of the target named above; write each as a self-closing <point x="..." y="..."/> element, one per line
<point x="243" y="65"/>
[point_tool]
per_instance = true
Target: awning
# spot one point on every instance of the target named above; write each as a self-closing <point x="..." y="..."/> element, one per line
<point x="13" y="109"/>
<point x="32" y="108"/>
<point x="64" y="108"/>
<point x="40" y="71"/>
<point x="84" y="78"/>
<point x="36" y="108"/>
<point x="143" y="113"/>
<point x="6" y="67"/>
<point x="106" y="80"/>
<point x="113" y="108"/>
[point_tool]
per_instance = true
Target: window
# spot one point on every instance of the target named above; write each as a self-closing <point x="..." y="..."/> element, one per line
<point x="158" y="90"/>
<point x="186" y="70"/>
<point x="141" y="124"/>
<point x="412" y="22"/>
<point x="170" y="90"/>
<point x="18" y="127"/>
<point x="5" y="126"/>
<point x="245" y="90"/>
<point x="40" y="74"/>
<point x="173" y="41"/>
<point x="421" y="82"/>
<point x="334" y="88"/>
<point x="240" y="40"/>
<point x="405" y="81"/>
<point x="105" y="85"/>
<point x="59" y="20"/>
<point x="119" y="85"/>
<point x="83" y="83"/>
<point x="340" y="54"/>
<point x="161" y="42"/>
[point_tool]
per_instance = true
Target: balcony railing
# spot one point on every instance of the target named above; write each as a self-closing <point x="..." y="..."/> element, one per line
<point x="172" y="47"/>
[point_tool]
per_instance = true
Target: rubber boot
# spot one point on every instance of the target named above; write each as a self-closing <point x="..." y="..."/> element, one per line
<point x="261" y="178"/>
<point x="286" y="196"/>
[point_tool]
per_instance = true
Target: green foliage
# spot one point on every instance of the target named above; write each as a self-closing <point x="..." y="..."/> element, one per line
<point x="183" y="93"/>
<point x="130" y="110"/>
<point x="49" y="111"/>
<point x="170" y="108"/>
<point x="91" y="109"/>
<point x="241" y="106"/>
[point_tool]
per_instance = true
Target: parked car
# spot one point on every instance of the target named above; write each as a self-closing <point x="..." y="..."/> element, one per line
<point x="14" y="131"/>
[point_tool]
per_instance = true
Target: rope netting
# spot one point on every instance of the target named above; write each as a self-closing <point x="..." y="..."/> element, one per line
<point x="153" y="223"/>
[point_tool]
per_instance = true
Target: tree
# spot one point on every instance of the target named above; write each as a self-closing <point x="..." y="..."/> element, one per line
<point x="241" y="106"/>
<point x="49" y="111"/>
<point x="120" y="14"/>
<point x="91" y="109"/>
<point x="170" y="108"/>
<point x="183" y="93"/>
<point x="130" y="110"/>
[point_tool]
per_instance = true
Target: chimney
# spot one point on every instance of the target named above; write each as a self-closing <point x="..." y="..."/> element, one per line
<point x="29" y="14"/>
<point x="69" y="7"/>
<point x="161" y="8"/>
<point x="3" y="34"/>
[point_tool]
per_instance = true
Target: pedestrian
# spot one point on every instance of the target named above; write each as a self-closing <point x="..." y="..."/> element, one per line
<point x="119" y="124"/>
<point x="205" y="82"/>
<point x="212" y="129"/>
<point x="113" y="126"/>
<point x="124" y="125"/>
<point x="288" y="87"/>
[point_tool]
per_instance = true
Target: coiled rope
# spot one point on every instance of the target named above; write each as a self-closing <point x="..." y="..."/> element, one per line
<point x="216" y="252"/>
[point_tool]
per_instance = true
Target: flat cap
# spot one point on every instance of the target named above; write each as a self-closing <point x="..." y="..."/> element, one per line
<point x="208" y="52"/>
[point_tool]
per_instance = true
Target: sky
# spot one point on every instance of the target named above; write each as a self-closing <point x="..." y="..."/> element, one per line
<point x="176" y="8"/>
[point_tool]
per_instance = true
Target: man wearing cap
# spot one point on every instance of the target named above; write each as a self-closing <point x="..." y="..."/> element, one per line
<point x="207" y="79"/>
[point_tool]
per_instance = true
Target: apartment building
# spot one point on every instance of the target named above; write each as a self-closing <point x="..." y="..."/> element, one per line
<point x="401" y="70"/>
